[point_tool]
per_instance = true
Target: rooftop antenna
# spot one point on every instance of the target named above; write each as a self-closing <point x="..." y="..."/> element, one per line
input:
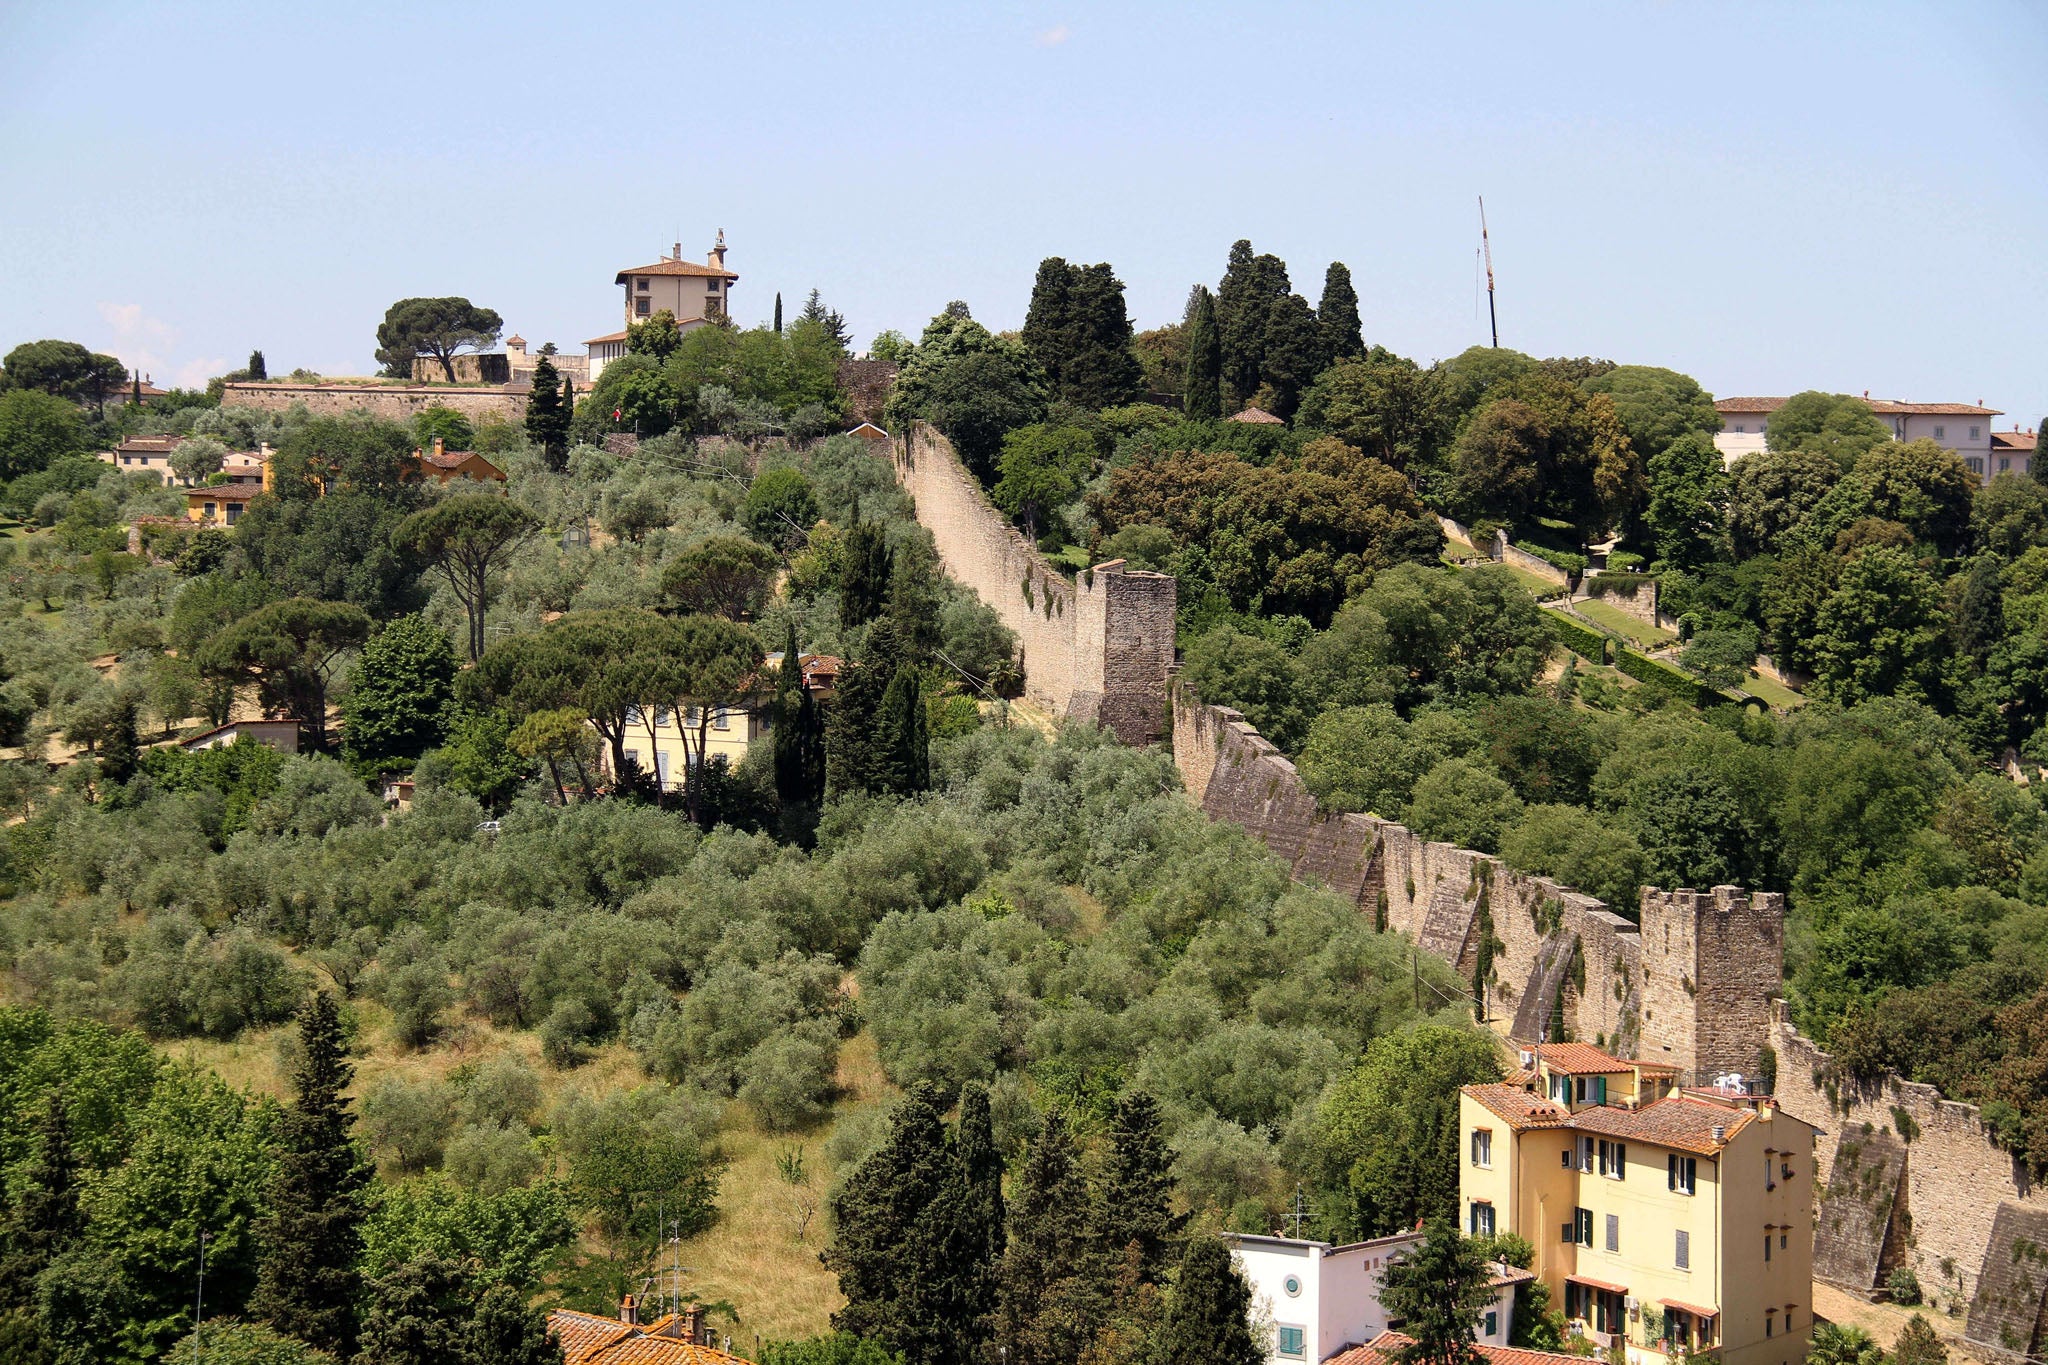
<point x="1486" y="248"/>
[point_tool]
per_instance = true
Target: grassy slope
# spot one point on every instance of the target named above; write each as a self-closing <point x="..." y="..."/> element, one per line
<point x="1621" y="623"/>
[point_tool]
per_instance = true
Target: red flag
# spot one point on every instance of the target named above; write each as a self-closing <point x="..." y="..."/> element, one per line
<point x="617" y="413"/>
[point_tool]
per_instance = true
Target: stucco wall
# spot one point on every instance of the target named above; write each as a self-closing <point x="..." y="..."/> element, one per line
<point x="399" y="402"/>
<point x="1098" y="650"/>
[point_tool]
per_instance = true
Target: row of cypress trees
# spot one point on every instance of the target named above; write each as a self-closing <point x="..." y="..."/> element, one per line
<point x="1253" y="333"/>
<point x="936" y="1264"/>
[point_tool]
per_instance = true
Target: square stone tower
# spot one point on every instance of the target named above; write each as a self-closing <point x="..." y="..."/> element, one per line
<point x="1712" y="963"/>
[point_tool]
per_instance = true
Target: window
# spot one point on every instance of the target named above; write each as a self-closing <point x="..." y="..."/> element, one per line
<point x="1767" y="1246"/>
<point x="234" y="512"/>
<point x="1974" y="431"/>
<point x="1976" y="465"/>
<point x="1770" y="1324"/>
<point x="640" y="283"/>
<point x="212" y="509"/>
<point x="1681" y="1256"/>
<point x="661" y="767"/>
<point x="1292" y="1284"/>
<point x="1941" y="433"/>
<point x="721" y="719"/>
<point x="711" y="286"/>
<point x="1614" y="1232"/>
<point x="1582" y="1227"/>
<point x="1614" y="1160"/>
<point x="661" y="717"/>
<point x="1781" y="1239"/>
<point x="641" y="308"/>
<point x="1579" y="1082"/>
<point x="1680" y="1172"/>
<point x="1738" y="426"/>
<point x="2004" y="463"/>
<point x="1482" y="1218"/>
<point x="1482" y="1146"/>
<point x="1492" y="1324"/>
<point x="1293" y="1342"/>
<point x="1770" y="1171"/>
<point x="711" y="307"/>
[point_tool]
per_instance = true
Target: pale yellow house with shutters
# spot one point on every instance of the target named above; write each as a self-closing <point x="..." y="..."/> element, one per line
<point x="1671" y="1219"/>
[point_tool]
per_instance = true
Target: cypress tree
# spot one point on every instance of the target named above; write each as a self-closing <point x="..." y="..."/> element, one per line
<point x="914" y="601"/>
<point x="47" y="1220"/>
<point x="856" y="759"/>
<point x="1293" y="352"/>
<point x="881" y="1250"/>
<point x="418" y="1314"/>
<point x="778" y="312"/>
<point x="1439" y="1290"/>
<point x="547" y="420"/>
<point x="1137" y="1189"/>
<point x="864" y="581"/>
<point x="1049" y="331"/>
<point x="507" y="1331"/>
<point x="1202" y="396"/>
<point x="1244" y="307"/>
<point x="1053" y="1278"/>
<point x="1337" y="317"/>
<point x="1103" y="370"/>
<point x="903" y="740"/>
<point x="307" y="1285"/>
<point x="120" y="751"/>
<point x="967" y="1235"/>
<point x="257" y="369"/>
<point x="1208" y="1314"/>
<point x="2037" y="467"/>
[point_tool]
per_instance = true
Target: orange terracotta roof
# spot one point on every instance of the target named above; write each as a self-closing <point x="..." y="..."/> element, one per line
<point x="1257" y="416"/>
<point x="2014" y="440"/>
<point x="1386" y="1347"/>
<point x="1691" y="1308"/>
<point x="1582" y="1059"/>
<point x="149" y="445"/>
<point x="591" y="1340"/>
<point x="669" y="267"/>
<point x="608" y="336"/>
<point x="1506" y="1275"/>
<point x="223" y="492"/>
<point x="1678" y="1121"/>
<point x="1518" y="1107"/>
<point x="1885" y="407"/>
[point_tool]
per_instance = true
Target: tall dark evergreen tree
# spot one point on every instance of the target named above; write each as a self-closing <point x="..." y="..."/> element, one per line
<point x="864" y="580"/>
<point x="1208" y="1315"/>
<point x="913" y="609"/>
<point x="778" y="312"/>
<point x="1136" y="1208"/>
<point x="904" y="735"/>
<point x="1293" y="355"/>
<point x="307" y="1284"/>
<point x="547" y="418"/>
<point x="799" y="735"/>
<point x="1244" y="309"/>
<point x="1202" y="395"/>
<point x="120" y="751"/>
<point x="418" y="1314"/>
<point x="1079" y="332"/>
<point x="856" y="756"/>
<point x="967" y="1233"/>
<point x="257" y="368"/>
<point x="889" y="1269"/>
<point x="831" y="319"/>
<point x="1438" y="1290"/>
<point x="506" y="1330"/>
<point x="2038" y="466"/>
<point x="1054" y="1278"/>
<point x="1337" y="317"/>
<point x="46" y="1219"/>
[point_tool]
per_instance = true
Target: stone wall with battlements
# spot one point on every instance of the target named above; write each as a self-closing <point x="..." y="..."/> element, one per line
<point x="1956" y="1180"/>
<point x="1098" y="649"/>
<point x="1690" y="986"/>
<point x="398" y="402"/>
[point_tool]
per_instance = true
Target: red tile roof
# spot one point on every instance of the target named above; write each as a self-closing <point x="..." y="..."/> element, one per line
<point x="1386" y="1347"/>
<point x="1882" y="406"/>
<point x="2014" y="440"/>
<point x="149" y="445"/>
<point x="669" y="267"/>
<point x="1583" y="1059"/>
<point x="1691" y="1308"/>
<point x="591" y="1340"/>
<point x="1518" y="1107"/>
<point x="608" y="336"/>
<point x="1598" y="1284"/>
<point x="1678" y="1121"/>
<point x="1257" y="416"/>
<point x="223" y="492"/>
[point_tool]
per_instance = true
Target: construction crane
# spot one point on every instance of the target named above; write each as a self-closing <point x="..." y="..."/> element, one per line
<point x="1486" y="248"/>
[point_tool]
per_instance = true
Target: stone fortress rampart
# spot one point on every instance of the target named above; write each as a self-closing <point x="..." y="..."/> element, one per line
<point x="1693" y="983"/>
<point x="397" y="402"/>
<point x="1098" y="648"/>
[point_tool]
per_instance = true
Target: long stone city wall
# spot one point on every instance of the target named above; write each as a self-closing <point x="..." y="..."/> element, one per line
<point x="1098" y="649"/>
<point x="399" y="402"/>
<point x="1954" y="1183"/>
<point x="1690" y="988"/>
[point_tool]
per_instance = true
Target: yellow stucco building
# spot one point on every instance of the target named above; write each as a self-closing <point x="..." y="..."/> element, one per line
<point x="1667" y="1218"/>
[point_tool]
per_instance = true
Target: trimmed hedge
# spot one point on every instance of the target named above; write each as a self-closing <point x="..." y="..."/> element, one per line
<point x="1579" y="638"/>
<point x="1562" y="560"/>
<point x="1618" y="584"/>
<point x="1662" y="676"/>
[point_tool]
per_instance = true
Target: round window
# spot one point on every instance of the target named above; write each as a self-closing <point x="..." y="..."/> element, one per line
<point x="1293" y="1286"/>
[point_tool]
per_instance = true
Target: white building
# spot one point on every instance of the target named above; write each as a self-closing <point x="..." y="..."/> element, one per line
<point x="2012" y="452"/>
<point x="694" y="293"/>
<point x="1320" y="1299"/>
<point x="1964" y="428"/>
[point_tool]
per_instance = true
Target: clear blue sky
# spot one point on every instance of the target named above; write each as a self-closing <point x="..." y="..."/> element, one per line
<point x="1769" y="197"/>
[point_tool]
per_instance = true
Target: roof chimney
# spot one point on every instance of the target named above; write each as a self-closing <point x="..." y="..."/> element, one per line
<point x="440" y="444"/>
<point x="629" y="1311"/>
<point x="676" y="252"/>
<point x="693" y="1325"/>
<point x="717" y="256"/>
<point x="1720" y="1133"/>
